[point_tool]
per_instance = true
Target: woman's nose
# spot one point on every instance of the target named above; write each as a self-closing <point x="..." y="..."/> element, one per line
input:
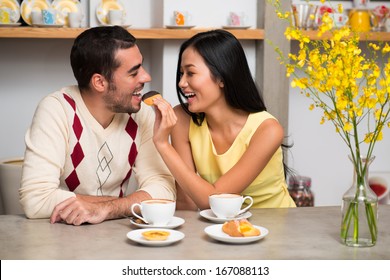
<point x="183" y="83"/>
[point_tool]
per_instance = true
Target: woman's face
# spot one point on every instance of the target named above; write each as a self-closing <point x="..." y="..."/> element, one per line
<point x="200" y="88"/>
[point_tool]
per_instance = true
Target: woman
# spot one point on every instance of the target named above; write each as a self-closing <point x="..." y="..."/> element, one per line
<point x="223" y="140"/>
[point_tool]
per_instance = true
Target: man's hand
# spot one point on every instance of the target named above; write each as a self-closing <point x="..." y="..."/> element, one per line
<point x="76" y="211"/>
<point x="95" y="209"/>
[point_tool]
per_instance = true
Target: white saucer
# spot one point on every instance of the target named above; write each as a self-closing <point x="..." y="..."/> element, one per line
<point x="136" y="236"/>
<point x="174" y="223"/>
<point x="10" y="24"/>
<point x="215" y="232"/>
<point x="49" y="25"/>
<point x="121" y="25"/>
<point x="209" y="215"/>
<point x="235" y="27"/>
<point x="179" y="26"/>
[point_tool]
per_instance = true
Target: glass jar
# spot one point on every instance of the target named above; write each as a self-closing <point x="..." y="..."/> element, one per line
<point x="299" y="189"/>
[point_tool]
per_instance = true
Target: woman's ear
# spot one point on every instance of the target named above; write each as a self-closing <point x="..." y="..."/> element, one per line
<point x="98" y="82"/>
<point x="221" y="84"/>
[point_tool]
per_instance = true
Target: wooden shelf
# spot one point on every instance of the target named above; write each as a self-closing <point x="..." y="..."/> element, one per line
<point x="154" y="33"/>
<point x="364" y="36"/>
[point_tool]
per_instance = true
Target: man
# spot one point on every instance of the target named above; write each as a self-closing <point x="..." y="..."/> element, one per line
<point x="86" y="142"/>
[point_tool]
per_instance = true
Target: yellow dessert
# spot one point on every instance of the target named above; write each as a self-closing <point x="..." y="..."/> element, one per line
<point x="155" y="235"/>
<point x="240" y="228"/>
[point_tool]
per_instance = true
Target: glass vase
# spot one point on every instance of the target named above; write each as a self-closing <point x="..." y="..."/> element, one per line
<point x="359" y="209"/>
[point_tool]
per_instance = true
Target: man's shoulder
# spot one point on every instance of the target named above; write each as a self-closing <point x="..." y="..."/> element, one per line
<point x="58" y="102"/>
<point x="65" y="93"/>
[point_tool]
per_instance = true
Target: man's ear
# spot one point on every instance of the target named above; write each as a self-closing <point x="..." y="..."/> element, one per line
<point x="98" y="82"/>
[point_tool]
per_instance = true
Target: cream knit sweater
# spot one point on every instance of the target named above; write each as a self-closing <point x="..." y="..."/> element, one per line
<point x="68" y="152"/>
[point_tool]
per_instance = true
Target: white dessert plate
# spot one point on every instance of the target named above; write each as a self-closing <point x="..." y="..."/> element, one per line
<point x="49" y="25"/>
<point x="10" y="24"/>
<point x="179" y="26"/>
<point x="29" y="5"/>
<point x="106" y="5"/>
<point x="64" y="7"/>
<point x="174" y="223"/>
<point x="136" y="236"/>
<point x="209" y="215"/>
<point x="235" y="27"/>
<point x="14" y="6"/>
<point x="215" y="232"/>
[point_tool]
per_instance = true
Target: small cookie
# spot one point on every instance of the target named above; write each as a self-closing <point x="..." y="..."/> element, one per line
<point x="150" y="96"/>
<point x="155" y="235"/>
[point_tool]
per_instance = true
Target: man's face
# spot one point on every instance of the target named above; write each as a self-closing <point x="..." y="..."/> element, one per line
<point x="124" y="91"/>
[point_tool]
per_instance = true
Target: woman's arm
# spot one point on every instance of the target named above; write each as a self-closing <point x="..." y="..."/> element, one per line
<point x="264" y="143"/>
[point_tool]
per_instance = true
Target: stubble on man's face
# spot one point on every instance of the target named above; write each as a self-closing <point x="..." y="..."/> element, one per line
<point x="118" y="101"/>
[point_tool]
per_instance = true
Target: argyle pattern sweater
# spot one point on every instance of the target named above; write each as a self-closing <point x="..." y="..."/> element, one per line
<point x="68" y="152"/>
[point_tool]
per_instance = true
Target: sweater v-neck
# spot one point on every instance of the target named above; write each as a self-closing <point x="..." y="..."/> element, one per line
<point x="92" y="122"/>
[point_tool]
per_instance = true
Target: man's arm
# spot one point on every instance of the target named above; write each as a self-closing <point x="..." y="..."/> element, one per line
<point x="93" y="209"/>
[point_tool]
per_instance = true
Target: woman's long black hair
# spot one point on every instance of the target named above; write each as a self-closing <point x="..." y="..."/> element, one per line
<point x="225" y="57"/>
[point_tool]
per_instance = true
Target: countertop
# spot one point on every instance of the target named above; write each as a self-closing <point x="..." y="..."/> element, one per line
<point x="295" y="233"/>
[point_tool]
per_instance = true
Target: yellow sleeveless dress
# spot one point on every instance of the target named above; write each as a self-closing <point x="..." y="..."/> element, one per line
<point x="268" y="190"/>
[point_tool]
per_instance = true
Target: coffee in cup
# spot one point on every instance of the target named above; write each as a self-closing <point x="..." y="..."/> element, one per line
<point x="156" y="212"/>
<point x="226" y="205"/>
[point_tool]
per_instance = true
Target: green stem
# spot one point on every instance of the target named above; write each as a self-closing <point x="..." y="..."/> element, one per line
<point x="351" y="224"/>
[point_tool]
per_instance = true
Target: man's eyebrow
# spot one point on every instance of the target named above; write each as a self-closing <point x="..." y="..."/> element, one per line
<point x="136" y="67"/>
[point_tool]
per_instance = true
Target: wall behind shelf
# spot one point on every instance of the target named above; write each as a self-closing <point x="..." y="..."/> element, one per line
<point x="29" y="70"/>
<point x="158" y="13"/>
<point x="32" y="68"/>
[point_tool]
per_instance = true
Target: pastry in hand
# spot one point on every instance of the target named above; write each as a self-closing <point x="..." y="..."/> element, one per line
<point x="240" y="228"/>
<point x="155" y="235"/>
<point x="150" y="96"/>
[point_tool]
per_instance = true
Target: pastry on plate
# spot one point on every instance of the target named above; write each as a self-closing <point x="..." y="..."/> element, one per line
<point x="240" y="228"/>
<point x="156" y="235"/>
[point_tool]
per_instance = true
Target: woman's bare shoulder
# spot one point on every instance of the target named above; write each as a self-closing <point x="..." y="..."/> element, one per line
<point x="182" y="116"/>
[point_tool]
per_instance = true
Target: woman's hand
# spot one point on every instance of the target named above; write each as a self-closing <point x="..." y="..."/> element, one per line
<point x="165" y="121"/>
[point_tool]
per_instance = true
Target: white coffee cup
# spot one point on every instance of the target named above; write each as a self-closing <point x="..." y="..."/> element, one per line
<point x="380" y="187"/>
<point x="236" y="20"/>
<point x="226" y="205"/>
<point x="74" y="19"/>
<point x="339" y="19"/>
<point x="5" y="15"/>
<point x="181" y="18"/>
<point x="36" y="17"/>
<point x="157" y="212"/>
<point x="49" y="16"/>
<point x="115" y="17"/>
